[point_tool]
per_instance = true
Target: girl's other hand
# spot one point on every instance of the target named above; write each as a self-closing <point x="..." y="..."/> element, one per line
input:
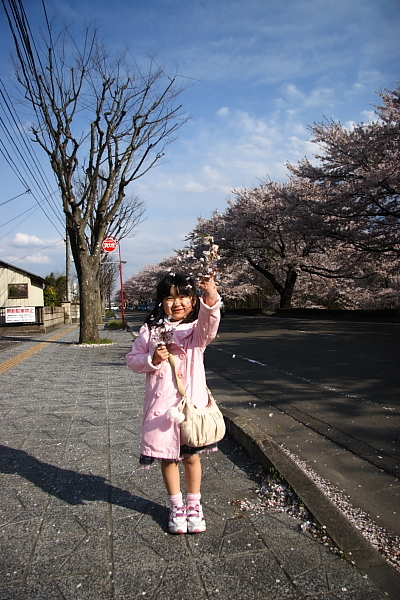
<point x="160" y="354"/>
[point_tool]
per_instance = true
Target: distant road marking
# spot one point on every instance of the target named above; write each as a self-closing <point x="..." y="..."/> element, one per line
<point x="12" y="362"/>
<point x="321" y="385"/>
<point x="314" y="332"/>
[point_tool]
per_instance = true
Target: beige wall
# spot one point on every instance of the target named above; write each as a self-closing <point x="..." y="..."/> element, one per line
<point x="53" y="316"/>
<point x="35" y="290"/>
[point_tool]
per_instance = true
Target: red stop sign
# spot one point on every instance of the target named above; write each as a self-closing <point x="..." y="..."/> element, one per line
<point x="109" y="244"/>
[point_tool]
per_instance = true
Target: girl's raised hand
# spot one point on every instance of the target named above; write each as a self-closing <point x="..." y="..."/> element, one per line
<point x="207" y="284"/>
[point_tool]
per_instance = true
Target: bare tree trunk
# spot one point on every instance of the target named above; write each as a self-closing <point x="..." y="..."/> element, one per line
<point x="100" y="305"/>
<point x="89" y="298"/>
<point x="287" y="292"/>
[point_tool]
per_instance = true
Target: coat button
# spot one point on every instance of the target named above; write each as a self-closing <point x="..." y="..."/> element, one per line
<point x="180" y="375"/>
<point x="181" y="356"/>
<point x="157" y="413"/>
<point x="158" y="394"/>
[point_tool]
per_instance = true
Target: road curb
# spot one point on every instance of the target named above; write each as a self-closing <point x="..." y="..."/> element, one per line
<point x="349" y="539"/>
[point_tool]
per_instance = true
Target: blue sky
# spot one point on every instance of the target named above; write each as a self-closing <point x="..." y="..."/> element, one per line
<point x="262" y="70"/>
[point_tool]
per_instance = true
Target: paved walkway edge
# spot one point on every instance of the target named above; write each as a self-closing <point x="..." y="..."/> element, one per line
<point x="268" y="453"/>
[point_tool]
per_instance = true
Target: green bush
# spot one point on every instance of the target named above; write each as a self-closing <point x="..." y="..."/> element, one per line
<point x="114" y="324"/>
<point x="55" y="289"/>
<point x="50" y="296"/>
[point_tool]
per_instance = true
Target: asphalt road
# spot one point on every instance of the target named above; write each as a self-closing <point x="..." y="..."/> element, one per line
<point x="327" y="392"/>
<point x="340" y="379"/>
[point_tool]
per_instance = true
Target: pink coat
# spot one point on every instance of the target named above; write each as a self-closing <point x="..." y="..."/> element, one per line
<point x="160" y="435"/>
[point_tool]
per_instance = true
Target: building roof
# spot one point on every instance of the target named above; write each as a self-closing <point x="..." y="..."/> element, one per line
<point x="23" y="271"/>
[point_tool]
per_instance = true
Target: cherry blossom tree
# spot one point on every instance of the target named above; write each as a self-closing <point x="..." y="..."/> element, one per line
<point x="262" y="228"/>
<point x="273" y="231"/>
<point x="356" y="182"/>
<point x="330" y="236"/>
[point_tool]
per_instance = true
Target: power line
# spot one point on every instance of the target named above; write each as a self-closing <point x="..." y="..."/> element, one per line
<point x="32" y="208"/>
<point x="26" y="154"/>
<point x="14" y="167"/>
<point x="17" y="225"/>
<point x="20" y="20"/>
<point x="38" y="250"/>
<point x="15" y="197"/>
<point x="19" y="128"/>
<point x="32" y="167"/>
<point x="28" y="160"/>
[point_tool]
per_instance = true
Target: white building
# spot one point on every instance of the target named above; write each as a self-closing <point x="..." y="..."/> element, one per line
<point x="21" y="292"/>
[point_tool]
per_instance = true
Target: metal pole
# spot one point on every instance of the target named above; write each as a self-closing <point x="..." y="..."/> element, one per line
<point x="122" y="288"/>
<point x="67" y="267"/>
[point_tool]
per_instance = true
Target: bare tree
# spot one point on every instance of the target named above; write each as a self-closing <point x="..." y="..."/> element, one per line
<point x="103" y="121"/>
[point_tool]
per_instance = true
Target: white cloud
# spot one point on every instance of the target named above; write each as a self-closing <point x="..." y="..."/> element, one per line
<point x="22" y="239"/>
<point x="38" y="259"/>
<point x="369" y="116"/>
<point x="223" y="112"/>
<point x="211" y="173"/>
<point x="350" y="125"/>
<point x="319" y="96"/>
<point x="298" y="148"/>
<point x="194" y="187"/>
<point x="218" y="155"/>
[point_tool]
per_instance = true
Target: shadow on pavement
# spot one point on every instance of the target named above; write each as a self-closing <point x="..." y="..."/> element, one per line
<point x="76" y="488"/>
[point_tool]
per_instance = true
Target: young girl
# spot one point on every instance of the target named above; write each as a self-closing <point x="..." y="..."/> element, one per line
<point x="183" y="324"/>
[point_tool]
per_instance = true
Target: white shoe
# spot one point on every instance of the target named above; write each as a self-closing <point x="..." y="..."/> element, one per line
<point x="177" y="519"/>
<point x="195" y="519"/>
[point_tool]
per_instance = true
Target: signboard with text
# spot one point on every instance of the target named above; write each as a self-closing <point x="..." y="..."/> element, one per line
<point x="21" y="315"/>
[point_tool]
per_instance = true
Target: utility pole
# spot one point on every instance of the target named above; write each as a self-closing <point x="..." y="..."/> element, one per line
<point x="67" y="303"/>
<point x="67" y="267"/>
<point x="109" y="245"/>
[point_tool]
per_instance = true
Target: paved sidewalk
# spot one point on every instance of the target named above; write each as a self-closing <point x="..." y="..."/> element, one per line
<point x="81" y="521"/>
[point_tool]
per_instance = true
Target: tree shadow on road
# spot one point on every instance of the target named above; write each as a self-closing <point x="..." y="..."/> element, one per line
<point x="76" y="488"/>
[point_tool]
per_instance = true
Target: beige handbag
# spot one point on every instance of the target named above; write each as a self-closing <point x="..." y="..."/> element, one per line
<point x="199" y="426"/>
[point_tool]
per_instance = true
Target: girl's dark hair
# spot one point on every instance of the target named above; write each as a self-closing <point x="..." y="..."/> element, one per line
<point x="183" y="285"/>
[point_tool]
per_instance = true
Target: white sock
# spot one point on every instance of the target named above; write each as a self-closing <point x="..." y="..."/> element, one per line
<point x="176" y="500"/>
<point x="193" y="499"/>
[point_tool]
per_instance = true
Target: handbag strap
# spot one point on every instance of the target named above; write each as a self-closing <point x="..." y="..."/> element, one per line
<point x="179" y="383"/>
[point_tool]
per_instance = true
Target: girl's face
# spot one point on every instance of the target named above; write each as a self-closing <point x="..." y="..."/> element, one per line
<point x="178" y="306"/>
